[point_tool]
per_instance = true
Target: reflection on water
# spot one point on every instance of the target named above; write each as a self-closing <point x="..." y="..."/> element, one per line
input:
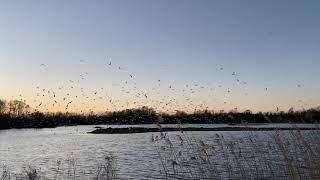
<point x="136" y="156"/>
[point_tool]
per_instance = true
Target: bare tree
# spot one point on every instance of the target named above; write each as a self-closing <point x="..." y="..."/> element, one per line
<point x="2" y="106"/>
<point x="248" y="111"/>
<point x="291" y="111"/>
<point x="16" y="108"/>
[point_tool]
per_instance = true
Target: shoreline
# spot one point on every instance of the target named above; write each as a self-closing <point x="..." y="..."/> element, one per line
<point x="134" y="130"/>
<point x="225" y="126"/>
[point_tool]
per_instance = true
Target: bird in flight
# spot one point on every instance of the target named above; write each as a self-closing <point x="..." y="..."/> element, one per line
<point x="43" y="67"/>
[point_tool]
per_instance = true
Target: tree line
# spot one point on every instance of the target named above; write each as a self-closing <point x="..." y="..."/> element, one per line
<point x="17" y="114"/>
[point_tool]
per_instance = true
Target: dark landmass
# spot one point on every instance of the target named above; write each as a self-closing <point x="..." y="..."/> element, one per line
<point x="18" y="116"/>
<point x="132" y="130"/>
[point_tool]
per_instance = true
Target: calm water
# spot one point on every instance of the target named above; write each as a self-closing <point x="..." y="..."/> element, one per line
<point x="136" y="154"/>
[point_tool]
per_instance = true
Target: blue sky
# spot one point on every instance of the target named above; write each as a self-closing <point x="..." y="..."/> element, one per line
<point x="268" y="44"/>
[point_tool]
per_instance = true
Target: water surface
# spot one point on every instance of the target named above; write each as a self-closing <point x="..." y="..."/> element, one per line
<point x="136" y="155"/>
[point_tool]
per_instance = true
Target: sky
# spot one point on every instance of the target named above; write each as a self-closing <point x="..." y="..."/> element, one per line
<point x="181" y="54"/>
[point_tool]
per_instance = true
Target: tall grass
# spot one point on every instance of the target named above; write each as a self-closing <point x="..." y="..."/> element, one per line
<point x="106" y="170"/>
<point x="5" y="173"/>
<point x="290" y="154"/>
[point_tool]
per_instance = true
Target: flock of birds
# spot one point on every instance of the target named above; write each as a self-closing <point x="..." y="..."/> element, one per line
<point x="71" y="96"/>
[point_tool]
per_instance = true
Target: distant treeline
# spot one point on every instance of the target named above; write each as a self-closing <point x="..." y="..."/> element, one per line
<point x="16" y="114"/>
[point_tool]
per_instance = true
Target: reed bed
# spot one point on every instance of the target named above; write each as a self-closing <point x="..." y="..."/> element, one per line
<point x="106" y="170"/>
<point x="290" y="155"/>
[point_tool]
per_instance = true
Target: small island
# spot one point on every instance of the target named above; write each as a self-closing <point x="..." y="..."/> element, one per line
<point x="132" y="130"/>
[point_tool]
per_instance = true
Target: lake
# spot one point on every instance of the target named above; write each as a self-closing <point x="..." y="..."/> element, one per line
<point x="136" y="155"/>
